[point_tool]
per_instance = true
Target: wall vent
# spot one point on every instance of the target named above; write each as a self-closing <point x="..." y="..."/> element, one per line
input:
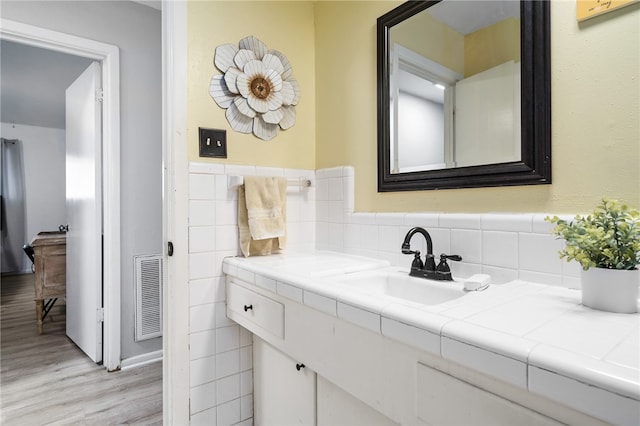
<point x="148" y="297"/>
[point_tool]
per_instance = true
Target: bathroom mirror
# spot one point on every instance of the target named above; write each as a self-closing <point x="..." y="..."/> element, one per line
<point x="464" y="95"/>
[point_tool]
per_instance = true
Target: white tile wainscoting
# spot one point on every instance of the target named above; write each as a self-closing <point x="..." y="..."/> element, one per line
<point x="221" y="380"/>
<point x="506" y="246"/>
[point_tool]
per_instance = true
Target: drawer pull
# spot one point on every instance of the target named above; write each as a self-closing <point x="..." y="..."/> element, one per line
<point x="299" y="366"/>
<point x="247" y="307"/>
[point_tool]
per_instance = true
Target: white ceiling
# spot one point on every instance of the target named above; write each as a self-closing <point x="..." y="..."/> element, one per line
<point x="467" y="16"/>
<point x="33" y="82"/>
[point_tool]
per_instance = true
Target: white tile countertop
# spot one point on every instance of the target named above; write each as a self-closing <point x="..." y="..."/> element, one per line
<point x="536" y="337"/>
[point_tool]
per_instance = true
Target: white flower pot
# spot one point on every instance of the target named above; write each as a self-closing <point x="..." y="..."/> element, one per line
<point x="611" y="290"/>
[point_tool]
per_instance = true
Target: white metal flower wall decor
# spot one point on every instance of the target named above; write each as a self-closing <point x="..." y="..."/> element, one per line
<point x="256" y="88"/>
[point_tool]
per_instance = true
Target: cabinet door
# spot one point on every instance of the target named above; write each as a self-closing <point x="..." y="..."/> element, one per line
<point x="337" y="407"/>
<point x="445" y="400"/>
<point x="283" y="394"/>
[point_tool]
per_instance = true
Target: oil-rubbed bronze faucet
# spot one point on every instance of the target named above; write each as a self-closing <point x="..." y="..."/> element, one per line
<point x="428" y="268"/>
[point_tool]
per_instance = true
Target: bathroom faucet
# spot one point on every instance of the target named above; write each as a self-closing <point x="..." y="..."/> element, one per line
<point x="428" y="268"/>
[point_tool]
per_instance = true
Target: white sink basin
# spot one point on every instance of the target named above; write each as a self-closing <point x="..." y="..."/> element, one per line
<point x="398" y="284"/>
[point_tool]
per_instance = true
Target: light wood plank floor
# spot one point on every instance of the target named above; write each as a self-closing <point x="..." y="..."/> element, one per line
<point x="46" y="380"/>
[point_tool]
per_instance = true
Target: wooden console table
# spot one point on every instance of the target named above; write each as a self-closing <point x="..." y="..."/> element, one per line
<point x="50" y="252"/>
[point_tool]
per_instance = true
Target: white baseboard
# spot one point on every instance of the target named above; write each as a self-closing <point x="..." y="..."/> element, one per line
<point x="140" y="360"/>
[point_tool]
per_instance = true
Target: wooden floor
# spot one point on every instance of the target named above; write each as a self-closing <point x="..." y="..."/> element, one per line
<point x="46" y="380"/>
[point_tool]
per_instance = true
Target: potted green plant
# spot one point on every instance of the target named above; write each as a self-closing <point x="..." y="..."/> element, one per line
<point x="606" y="243"/>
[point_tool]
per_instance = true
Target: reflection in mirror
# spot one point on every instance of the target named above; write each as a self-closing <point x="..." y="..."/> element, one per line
<point x="471" y="63"/>
<point x="450" y="89"/>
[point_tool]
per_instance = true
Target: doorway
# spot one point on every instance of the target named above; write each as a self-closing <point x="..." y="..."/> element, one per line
<point x="133" y="164"/>
<point x="108" y="55"/>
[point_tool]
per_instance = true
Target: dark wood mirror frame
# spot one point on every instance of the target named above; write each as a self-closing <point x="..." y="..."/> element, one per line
<point x="535" y="166"/>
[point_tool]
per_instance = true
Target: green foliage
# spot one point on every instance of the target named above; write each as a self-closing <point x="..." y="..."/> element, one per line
<point x="607" y="238"/>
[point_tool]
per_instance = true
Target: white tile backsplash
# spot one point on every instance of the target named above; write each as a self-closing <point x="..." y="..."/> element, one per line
<point x="468" y="244"/>
<point x="202" y="212"/>
<point x="201" y="239"/>
<point x="246" y="407"/>
<point x="203" y="291"/>
<point x="500" y="275"/>
<point x="500" y="248"/>
<point x="228" y="388"/>
<point x="221" y="315"/>
<point x="246" y="382"/>
<point x="202" y="317"/>
<point x="389" y="219"/>
<point x="205" y="418"/>
<point x="202" y="397"/>
<point x="227" y="338"/>
<point x="202" y="187"/>
<point x="269" y="171"/>
<point x="336" y="189"/>
<point x="506" y="246"/>
<point x="227" y="237"/>
<point x="246" y="358"/>
<point x="201" y="265"/>
<point x="426" y="220"/>
<point x="229" y="413"/>
<point x="539" y="252"/>
<point x="227" y="363"/>
<point x="389" y="238"/>
<point x="227" y="212"/>
<point x="460" y="221"/>
<point x="336" y="212"/>
<point x="506" y="222"/>
<point x="540" y="277"/>
<point x="202" y="344"/>
<point x="220" y="350"/>
<point x="202" y="370"/>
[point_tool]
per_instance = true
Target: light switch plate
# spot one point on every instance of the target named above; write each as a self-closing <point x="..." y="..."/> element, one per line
<point x="213" y="142"/>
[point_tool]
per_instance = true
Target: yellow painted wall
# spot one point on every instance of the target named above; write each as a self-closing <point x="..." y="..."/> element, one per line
<point x="595" y="110"/>
<point x="332" y="46"/>
<point x="414" y="33"/>
<point x="284" y="26"/>
<point x="492" y="46"/>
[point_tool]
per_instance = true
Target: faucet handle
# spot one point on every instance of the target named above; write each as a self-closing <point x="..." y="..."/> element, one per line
<point x="455" y="257"/>
<point x="417" y="262"/>
<point x="443" y="266"/>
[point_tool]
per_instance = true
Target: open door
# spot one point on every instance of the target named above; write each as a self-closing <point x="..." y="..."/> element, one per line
<point x="84" y="212"/>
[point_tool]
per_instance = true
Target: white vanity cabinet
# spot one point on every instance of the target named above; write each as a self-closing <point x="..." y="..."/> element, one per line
<point x="353" y="375"/>
<point x="284" y="389"/>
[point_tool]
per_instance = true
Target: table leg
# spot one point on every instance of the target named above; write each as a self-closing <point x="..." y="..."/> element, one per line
<point x="39" y="309"/>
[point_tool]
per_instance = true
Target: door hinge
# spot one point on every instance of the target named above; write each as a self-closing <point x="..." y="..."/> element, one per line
<point x="100" y="315"/>
<point x="99" y="95"/>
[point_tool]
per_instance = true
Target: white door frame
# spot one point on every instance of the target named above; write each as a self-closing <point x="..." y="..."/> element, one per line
<point x="175" y="299"/>
<point x="109" y="56"/>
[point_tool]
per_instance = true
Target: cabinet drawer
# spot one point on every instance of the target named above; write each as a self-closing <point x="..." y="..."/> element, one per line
<point x="253" y="310"/>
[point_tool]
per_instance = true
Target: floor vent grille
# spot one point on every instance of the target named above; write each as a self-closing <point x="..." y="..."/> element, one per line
<point x="148" y="297"/>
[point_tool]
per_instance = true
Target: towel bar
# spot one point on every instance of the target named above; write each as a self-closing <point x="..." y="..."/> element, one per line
<point x="235" y="181"/>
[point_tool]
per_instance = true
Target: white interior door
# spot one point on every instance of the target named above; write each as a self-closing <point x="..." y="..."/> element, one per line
<point x="84" y="212"/>
<point x="487" y="126"/>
